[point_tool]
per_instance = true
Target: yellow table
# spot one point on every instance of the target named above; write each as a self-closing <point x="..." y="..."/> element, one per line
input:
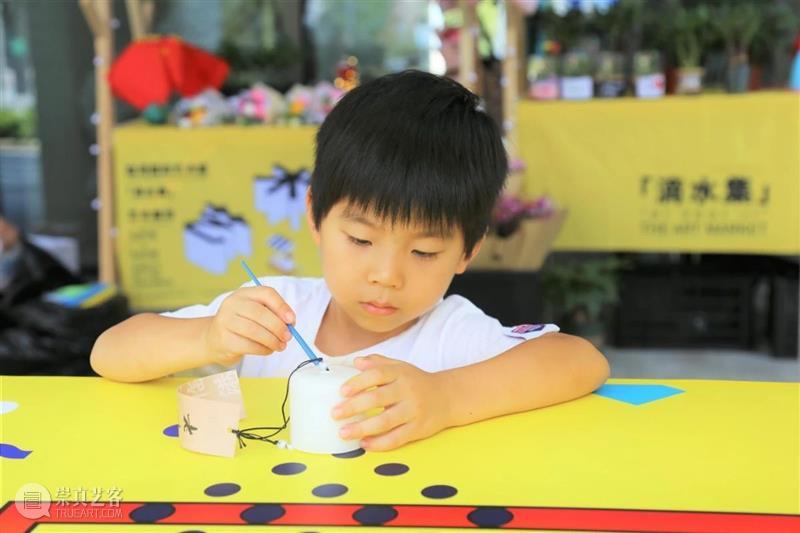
<point x="711" y="456"/>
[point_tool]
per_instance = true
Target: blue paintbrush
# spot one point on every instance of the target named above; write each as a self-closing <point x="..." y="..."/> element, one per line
<point x="294" y="332"/>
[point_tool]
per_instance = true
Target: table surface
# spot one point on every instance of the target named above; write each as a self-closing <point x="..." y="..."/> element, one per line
<point x="707" y="456"/>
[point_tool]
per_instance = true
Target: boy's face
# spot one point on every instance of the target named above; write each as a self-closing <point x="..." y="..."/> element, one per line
<point x="383" y="276"/>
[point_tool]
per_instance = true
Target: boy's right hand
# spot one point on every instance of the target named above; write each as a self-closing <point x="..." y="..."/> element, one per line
<point x="252" y="320"/>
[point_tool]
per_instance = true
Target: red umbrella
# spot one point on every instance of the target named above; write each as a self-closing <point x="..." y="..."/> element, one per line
<point x="149" y="70"/>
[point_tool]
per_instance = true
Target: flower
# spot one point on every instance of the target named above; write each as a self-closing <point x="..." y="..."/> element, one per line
<point x="261" y="103"/>
<point x="509" y="211"/>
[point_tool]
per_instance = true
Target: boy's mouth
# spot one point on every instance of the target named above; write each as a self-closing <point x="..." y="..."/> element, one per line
<point x="378" y="308"/>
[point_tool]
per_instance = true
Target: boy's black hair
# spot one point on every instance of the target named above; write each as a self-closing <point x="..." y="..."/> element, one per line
<point x="411" y="147"/>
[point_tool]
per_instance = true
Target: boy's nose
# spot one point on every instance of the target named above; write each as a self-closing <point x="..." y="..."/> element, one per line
<point x="386" y="274"/>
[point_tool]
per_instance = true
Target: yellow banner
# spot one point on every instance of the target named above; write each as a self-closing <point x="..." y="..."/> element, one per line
<point x="712" y="173"/>
<point x="190" y="204"/>
<point x="715" y="173"/>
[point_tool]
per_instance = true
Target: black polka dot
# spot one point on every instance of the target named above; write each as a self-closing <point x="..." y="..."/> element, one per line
<point x="391" y="469"/>
<point x="262" y="513"/>
<point x="288" y="469"/>
<point x="439" y="492"/>
<point x="375" y="515"/>
<point x="222" y="489"/>
<point x="351" y="454"/>
<point x="490" y="516"/>
<point x="150" y="513"/>
<point x="330" y="490"/>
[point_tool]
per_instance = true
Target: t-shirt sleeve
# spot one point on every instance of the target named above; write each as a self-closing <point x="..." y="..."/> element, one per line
<point x="205" y="310"/>
<point x="467" y="335"/>
<point x="198" y="310"/>
<point x="286" y="286"/>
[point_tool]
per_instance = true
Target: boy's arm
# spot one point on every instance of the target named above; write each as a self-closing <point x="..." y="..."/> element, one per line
<point x="251" y="320"/>
<point x="150" y="346"/>
<point x="547" y="370"/>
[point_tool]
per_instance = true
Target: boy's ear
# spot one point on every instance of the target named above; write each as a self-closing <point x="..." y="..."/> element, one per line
<point x="310" y="218"/>
<point x="465" y="260"/>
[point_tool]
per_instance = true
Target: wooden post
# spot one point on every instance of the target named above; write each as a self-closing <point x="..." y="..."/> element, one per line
<point x="510" y="80"/>
<point x="98" y="14"/>
<point x="510" y="84"/>
<point x="140" y="16"/>
<point x="467" y="47"/>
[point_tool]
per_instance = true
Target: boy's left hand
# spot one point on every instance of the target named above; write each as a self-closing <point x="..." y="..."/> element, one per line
<point x="414" y="401"/>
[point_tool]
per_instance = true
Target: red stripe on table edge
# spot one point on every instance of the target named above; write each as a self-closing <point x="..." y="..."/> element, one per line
<point x="442" y="516"/>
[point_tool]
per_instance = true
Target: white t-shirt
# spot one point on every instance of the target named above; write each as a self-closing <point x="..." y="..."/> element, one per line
<point x="454" y="333"/>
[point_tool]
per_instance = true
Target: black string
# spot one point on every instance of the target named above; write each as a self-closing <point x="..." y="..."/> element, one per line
<point x="248" y="433"/>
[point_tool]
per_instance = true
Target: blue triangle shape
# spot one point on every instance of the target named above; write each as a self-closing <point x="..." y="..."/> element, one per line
<point x="637" y="394"/>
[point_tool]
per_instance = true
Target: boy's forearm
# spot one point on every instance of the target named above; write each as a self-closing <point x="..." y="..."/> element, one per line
<point x="149" y="346"/>
<point x="540" y="372"/>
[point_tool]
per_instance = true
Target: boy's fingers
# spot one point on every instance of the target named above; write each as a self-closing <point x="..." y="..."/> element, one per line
<point x="374" y="377"/>
<point x="241" y="346"/>
<point x="256" y="312"/>
<point x="371" y="399"/>
<point x="244" y="327"/>
<point x="369" y="361"/>
<point x="270" y="298"/>
<point x="376" y="425"/>
<point x="389" y="440"/>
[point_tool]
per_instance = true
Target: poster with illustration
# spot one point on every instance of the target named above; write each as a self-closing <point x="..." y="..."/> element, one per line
<point x="190" y="204"/>
<point x="282" y="195"/>
<point x="215" y="239"/>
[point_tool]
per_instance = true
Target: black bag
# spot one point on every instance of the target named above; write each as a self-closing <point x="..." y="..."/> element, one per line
<point x="41" y="337"/>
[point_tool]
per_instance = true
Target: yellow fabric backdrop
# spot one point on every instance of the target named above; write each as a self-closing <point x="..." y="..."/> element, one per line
<point x="711" y="173"/>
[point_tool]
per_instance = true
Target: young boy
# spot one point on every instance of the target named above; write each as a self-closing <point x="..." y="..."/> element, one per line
<point x="407" y="170"/>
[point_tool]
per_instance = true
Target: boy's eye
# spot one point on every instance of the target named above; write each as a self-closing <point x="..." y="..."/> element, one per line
<point x="424" y="255"/>
<point x="358" y="242"/>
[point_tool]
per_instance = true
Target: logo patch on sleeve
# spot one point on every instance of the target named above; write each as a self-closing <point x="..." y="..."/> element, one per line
<point x="527" y="328"/>
<point x="529" y="331"/>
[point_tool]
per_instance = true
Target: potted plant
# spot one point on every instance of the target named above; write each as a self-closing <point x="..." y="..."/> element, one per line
<point x="543" y="77"/>
<point x="689" y="27"/>
<point x="648" y="74"/>
<point x="250" y="65"/>
<point x="567" y="29"/>
<point x="576" y="76"/>
<point x="737" y="25"/>
<point x="17" y="125"/>
<point x="577" y="293"/>
<point x="773" y="44"/>
<point x="615" y="27"/>
<point x="521" y="234"/>
<point x="609" y="75"/>
<point x="20" y="168"/>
